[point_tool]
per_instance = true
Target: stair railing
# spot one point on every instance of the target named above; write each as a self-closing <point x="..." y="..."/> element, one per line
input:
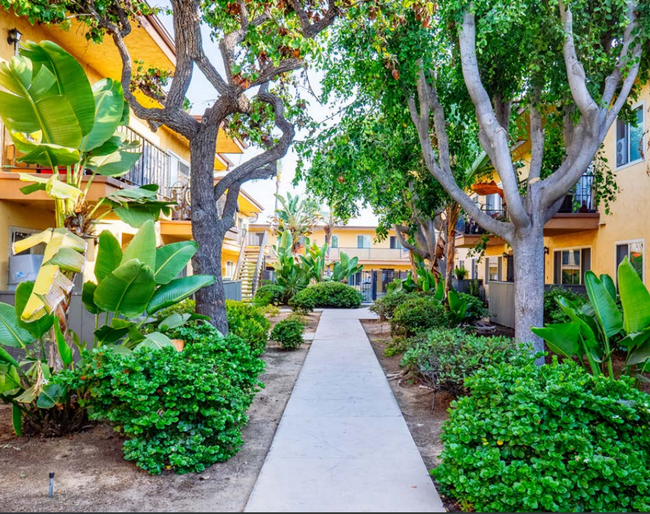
<point x="258" y="264"/>
<point x="242" y="252"/>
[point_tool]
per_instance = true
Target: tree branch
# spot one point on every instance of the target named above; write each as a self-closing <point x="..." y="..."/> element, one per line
<point x="309" y="29"/>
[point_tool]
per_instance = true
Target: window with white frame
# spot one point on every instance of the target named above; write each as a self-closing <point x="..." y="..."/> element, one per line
<point x="629" y="139"/>
<point x="493" y="269"/>
<point x="634" y="252"/>
<point x="179" y="171"/>
<point x="230" y="269"/>
<point x="395" y="243"/>
<point x="335" y="241"/>
<point x="364" y="241"/>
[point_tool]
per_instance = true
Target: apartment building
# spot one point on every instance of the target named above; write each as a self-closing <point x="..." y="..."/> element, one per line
<point x="581" y="236"/>
<point x="165" y="154"/>
<point x="383" y="261"/>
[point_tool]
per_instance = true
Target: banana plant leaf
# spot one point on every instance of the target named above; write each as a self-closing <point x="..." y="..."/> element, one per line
<point x="113" y="165"/>
<point x="9" y="380"/>
<point x="635" y="298"/>
<point x="38" y="328"/>
<point x="127" y="290"/>
<point x="109" y="255"/>
<point x="112" y="333"/>
<point x="156" y="341"/>
<point x="109" y="108"/>
<point x="11" y="333"/>
<point x="171" y="259"/>
<point x="605" y="309"/>
<point x="177" y="290"/>
<point x="65" y="352"/>
<point x="143" y="246"/>
<point x="50" y="396"/>
<point x="87" y="297"/>
<point x="53" y="186"/>
<point x="457" y="306"/>
<point x="561" y="338"/>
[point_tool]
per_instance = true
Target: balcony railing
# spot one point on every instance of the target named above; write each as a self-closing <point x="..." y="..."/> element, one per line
<point x="153" y="167"/>
<point x="371" y="254"/>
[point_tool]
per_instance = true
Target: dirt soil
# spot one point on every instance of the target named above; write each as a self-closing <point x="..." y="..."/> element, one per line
<point x="91" y="475"/>
<point x="423" y="413"/>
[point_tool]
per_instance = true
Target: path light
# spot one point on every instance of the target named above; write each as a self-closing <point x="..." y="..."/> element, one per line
<point x="51" y="492"/>
<point x="14" y="38"/>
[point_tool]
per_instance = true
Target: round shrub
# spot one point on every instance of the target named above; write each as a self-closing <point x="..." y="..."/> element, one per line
<point x="547" y="438"/>
<point x="385" y="306"/>
<point x="180" y="411"/>
<point x="418" y="314"/>
<point x="269" y="294"/>
<point x="248" y="322"/>
<point x="476" y="309"/>
<point x="444" y="358"/>
<point x="553" y="313"/>
<point x="327" y="294"/>
<point x="288" y="333"/>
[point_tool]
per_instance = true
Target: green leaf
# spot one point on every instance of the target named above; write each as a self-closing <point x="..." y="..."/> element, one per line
<point x="65" y="352"/>
<point x="155" y="340"/>
<point x="87" y="297"/>
<point x="177" y="290"/>
<point x="127" y="290"/>
<point x="68" y="259"/>
<point x="639" y="355"/>
<point x="113" y="333"/>
<point x="143" y="246"/>
<point x="39" y="327"/>
<point x="6" y="357"/>
<point x="109" y="255"/>
<point x="11" y="333"/>
<point x="609" y="284"/>
<point x="607" y="313"/>
<point x="171" y="259"/>
<point x="17" y="419"/>
<point x="109" y="107"/>
<point x="635" y="298"/>
<point x="174" y="320"/>
<point x="113" y="165"/>
<point x="561" y="338"/>
<point x="50" y="396"/>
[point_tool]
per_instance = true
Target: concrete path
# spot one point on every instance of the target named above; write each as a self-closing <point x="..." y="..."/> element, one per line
<point x="342" y="444"/>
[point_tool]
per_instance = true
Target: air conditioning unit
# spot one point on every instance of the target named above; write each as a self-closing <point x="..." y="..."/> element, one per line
<point x="23" y="268"/>
<point x="621" y="152"/>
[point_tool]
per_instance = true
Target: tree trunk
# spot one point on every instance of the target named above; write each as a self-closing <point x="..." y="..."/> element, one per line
<point x="528" y="251"/>
<point x="207" y="229"/>
<point x="453" y="211"/>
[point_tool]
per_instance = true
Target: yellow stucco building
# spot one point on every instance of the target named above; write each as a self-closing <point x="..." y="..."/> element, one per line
<point x="165" y="160"/>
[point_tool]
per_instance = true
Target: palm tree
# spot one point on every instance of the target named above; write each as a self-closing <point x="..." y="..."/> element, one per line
<point x="296" y="216"/>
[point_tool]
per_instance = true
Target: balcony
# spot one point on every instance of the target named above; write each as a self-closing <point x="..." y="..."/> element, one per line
<point x="578" y="213"/>
<point x="379" y="255"/>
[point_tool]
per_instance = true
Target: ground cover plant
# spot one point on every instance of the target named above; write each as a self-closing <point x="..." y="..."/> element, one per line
<point x="547" y="438"/>
<point x="180" y="411"/>
<point x="444" y="358"/>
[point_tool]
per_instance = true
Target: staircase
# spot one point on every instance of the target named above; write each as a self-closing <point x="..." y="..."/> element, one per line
<point x="248" y="273"/>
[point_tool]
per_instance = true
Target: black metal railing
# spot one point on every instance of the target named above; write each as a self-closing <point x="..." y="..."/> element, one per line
<point x="581" y="198"/>
<point x="153" y="167"/>
<point x="467" y="225"/>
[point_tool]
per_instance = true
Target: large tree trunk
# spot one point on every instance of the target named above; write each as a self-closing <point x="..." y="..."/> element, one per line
<point x="207" y="229"/>
<point x="453" y="211"/>
<point x="528" y="251"/>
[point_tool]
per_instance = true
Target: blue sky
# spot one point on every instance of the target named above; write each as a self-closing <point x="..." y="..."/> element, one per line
<point x="202" y="94"/>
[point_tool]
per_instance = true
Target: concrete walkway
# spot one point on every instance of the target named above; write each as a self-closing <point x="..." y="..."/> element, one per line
<point x="342" y="444"/>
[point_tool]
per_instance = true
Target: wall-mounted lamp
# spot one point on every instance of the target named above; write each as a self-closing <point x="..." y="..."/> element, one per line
<point x="547" y="250"/>
<point x="505" y="255"/>
<point x="14" y="38"/>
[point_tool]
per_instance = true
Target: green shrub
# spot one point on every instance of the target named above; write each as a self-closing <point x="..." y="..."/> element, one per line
<point x="248" y="322"/>
<point x="182" y="411"/>
<point x="547" y="438"/>
<point x="418" y="314"/>
<point x="187" y="306"/>
<point x="385" y="306"/>
<point x="444" y="358"/>
<point x="553" y="313"/>
<point x="327" y="294"/>
<point x="476" y="309"/>
<point x="289" y="333"/>
<point x="269" y="294"/>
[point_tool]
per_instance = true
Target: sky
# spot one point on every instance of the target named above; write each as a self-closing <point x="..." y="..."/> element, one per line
<point x="201" y="94"/>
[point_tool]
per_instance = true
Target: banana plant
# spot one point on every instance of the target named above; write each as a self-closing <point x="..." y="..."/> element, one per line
<point x="133" y="285"/>
<point x="345" y="268"/>
<point x="314" y="260"/>
<point x="288" y="273"/>
<point x="596" y="329"/>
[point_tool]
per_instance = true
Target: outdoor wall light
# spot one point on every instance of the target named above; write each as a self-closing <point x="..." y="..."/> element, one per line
<point x="547" y="250"/>
<point x="14" y="37"/>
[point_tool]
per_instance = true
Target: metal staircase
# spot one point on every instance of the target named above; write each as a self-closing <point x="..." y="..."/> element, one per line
<point x="249" y="268"/>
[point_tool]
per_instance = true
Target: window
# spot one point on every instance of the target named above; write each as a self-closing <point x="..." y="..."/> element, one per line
<point x="570" y="265"/>
<point x="493" y="269"/>
<point x="335" y="241"/>
<point x="364" y="242"/>
<point x="395" y="243"/>
<point x="179" y="171"/>
<point x="629" y="139"/>
<point x="230" y="269"/>
<point x="634" y="252"/>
